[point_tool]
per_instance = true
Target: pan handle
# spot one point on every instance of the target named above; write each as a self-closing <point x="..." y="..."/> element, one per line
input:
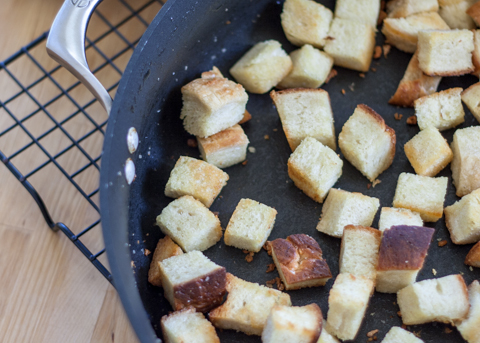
<point x="66" y="45"/>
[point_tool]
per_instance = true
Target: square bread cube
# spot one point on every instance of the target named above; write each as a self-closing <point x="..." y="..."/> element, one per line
<point x="402" y="253"/>
<point x="247" y="306"/>
<point x="191" y="279"/>
<point x="455" y="14"/>
<point x="310" y="68"/>
<point x="469" y="327"/>
<point x="262" y="67"/>
<point x="471" y="98"/>
<point x="344" y="208"/>
<point x="188" y="326"/>
<point x="359" y="251"/>
<point x="226" y="148"/>
<point x="399" y="335"/>
<point x="442" y="110"/>
<point x="428" y="152"/>
<point x="463" y="219"/>
<point x="347" y="303"/>
<point x="422" y="194"/>
<point x="305" y="113"/>
<point x="190" y="224"/>
<point x="365" y="11"/>
<point x="466" y="160"/>
<point x="326" y="337"/>
<point x="390" y="216"/>
<point x="367" y="142"/>
<point x="442" y="300"/>
<point x="197" y="178"/>
<point x="165" y="248"/>
<point x="299" y="262"/>
<point x="314" y="168"/>
<point x="445" y="52"/>
<point x="293" y="324"/>
<point x="212" y="104"/>
<point x="351" y="43"/>
<point x="404" y="8"/>
<point x="473" y="256"/>
<point x="306" y="22"/>
<point x="250" y="225"/>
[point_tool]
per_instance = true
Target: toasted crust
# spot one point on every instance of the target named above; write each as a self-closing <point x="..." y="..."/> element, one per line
<point x="404" y="8"/>
<point x="474" y="12"/>
<point x="473" y="256"/>
<point x="165" y="248"/>
<point x="246" y="117"/>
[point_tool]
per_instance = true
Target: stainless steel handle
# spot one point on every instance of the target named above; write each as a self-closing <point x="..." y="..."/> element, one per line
<point x="66" y="45"/>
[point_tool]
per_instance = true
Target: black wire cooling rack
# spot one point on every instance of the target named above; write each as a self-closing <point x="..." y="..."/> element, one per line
<point x="51" y="126"/>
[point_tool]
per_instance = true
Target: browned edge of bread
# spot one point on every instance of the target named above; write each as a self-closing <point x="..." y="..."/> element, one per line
<point x="473" y="256"/>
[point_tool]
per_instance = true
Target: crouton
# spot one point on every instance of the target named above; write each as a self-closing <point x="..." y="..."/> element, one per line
<point x="473" y="256"/>
<point x="364" y="11"/>
<point x="474" y="13"/>
<point x="390" y="216"/>
<point x="404" y="8"/>
<point x="455" y="14"/>
<point x="165" y="248"/>
<point x="466" y="160"/>
<point x="463" y="219"/>
<point x="399" y="335"/>
<point x="469" y="328"/>
<point x="476" y="53"/>
<point x="471" y="98"/>
<point x="326" y="337"/>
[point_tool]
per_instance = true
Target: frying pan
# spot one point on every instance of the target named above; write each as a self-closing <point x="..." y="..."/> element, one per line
<point x="186" y="38"/>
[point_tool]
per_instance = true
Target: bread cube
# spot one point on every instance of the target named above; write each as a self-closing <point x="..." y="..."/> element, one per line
<point x="442" y="110"/>
<point x="428" y="152"/>
<point x="188" y="326"/>
<point x="476" y="52"/>
<point x="326" y="337"/>
<point x="247" y="306"/>
<point x="463" y="219"/>
<point x="469" y="327"/>
<point x="351" y="43"/>
<point x="305" y="113"/>
<point x="191" y="279"/>
<point x="314" y="168"/>
<point x="344" y="208"/>
<point x="250" y="225"/>
<point x="402" y="33"/>
<point x="306" y="22"/>
<point x="445" y="52"/>
<point x="466" y="160"/>
<point x="197" y="178"/>
<point x="367" y="142"/>
<point x="347" y="303"/>
<point x="414" y="85"/>
<point x="365" y="11"/>
<point x="471" y="98"/>
<point x="359" y="251"/>
<point x="299" y="262"/>
<point x="165" y="248"/>
<point x="442" y="300"/>
<point x="473" y="256"/>
<point x="399" y="335"/>
<point x="404" y="8"/>
<point x="422" y="194"/>
<point x="474" y="13"/>
<point x="190" y="224"/>
<point x="226" y="148"/>
<point x="212" y="104"/>
<point x="390" y="216"/>
<point x="262" y="67"/>
<point x="402" y="253"/>
<point x="310" y="68"/>
<point x="293" y="324"/>
<point x="455" y="14"/>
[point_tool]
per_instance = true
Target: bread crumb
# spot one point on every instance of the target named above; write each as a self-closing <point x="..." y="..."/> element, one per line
<point x="399" y="313"/>
<point x="266" y="137"/>
<point x="270" y="268"/>
<point x="471" y="268"/>
<point x="270" y="283"/>
<point x="249" y="257"/>
<point x="352" y="87"/>
<point x="343" y="91"/>
<point x="386" y="50"/>
<point x="373" y="69"/>
<point x="268" y="248"/>
<point x="132" y="264"/>
<point x="398" y="116"/>
<point x="147" y="252"/>
<point x="228" y="22"/>
<point x="246" y="251"/>
<point x="331" y="75"/>
<point x="412" y="120"/>
<point x="372" y="333"/>
<point x="362" y="75"/>
<point x="251" y="149"/>
<point x="434" y="272"/>
<point x="442" y="243"/>
<point x="280" y="285"/>
<point x="192" y="143"/>
<point x="376" y="182"/>
<point x="378" y="52"/>
<point x="275" y="130"/>
<point x="381" y="17"/>
<point x="404" y="327"/>
<point x="448" y="330"/>
<point x="369" y="185"/>
<point x="417" y="333"/>
<point x="244" y="163"/>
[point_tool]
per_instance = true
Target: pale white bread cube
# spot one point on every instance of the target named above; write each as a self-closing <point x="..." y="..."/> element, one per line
<point x="188" y="326"/>
<point x="390" y="216"/>
<point x="469" y="328"/>
<point x="226" y="148"/>
<point x="250" y="225"/>
<point x="422" y="194"/>
<point x="402" y="33"/>
<point x="212" y="104"/>
<point x="442" y="110"/>
<point x="463" y="219"/>
<point x="293" y="324"/>
<point x="364" y="11"/>
<point x="306" y="22"/>
<point x="367" y="142"/>
<point x="165" y="248"/>
<point x="197" y="178"/>
<point x="414" y="85"/>
<point x="474" y="13"/>
<point x="344" y="208"/>
<point x="466" y="160"/>
<point x="428" y="152"/>
<point x="299" y="262"/>
<point x="314" y="168"/>
<point x="347" y="303"/>
<point x="399" y="335"/>
<point x="445" y="52"/>
<point x="305" y="113"/>
<point x="190" y="224"/>
<point x="455" y="14"/>
<point x="326" y="337"/>
<point x="310" y="68"/>
<point x="473" y="256"/>
<point x="471" y="98"/>
<point x="351" y="43"/>
<point x="401" y="257"/>
<point x="404" y="8"/>
<point x="191" y="279"/>
<point x="359" y="251"/>
<point x="442" y="300"/>
<point x="262" y="67"/>
<point x="247" y="306"/>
